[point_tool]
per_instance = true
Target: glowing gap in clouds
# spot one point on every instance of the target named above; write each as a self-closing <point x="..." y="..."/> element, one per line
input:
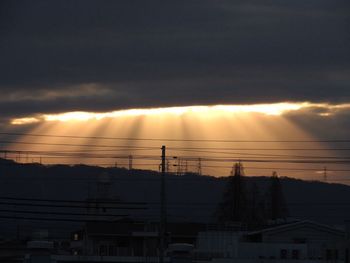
<point x="23" y="121"/>
<point x="230" y="122"/>
<point x="273" y="109"/>
<point x="267" y="109"/>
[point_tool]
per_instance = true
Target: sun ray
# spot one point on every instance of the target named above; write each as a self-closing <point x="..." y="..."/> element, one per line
<point x="225" y="122"/>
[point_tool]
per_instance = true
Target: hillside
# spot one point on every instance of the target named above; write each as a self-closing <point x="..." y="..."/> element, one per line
<point x="190" y="197"/>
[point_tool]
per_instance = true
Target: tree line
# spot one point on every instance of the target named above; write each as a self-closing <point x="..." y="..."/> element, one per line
<point x="248" y="205"/>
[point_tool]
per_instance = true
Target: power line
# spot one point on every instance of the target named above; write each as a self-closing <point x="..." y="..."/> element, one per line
<point x="189" y="165"/>
<point x="254" y="154"/>
<point x="175" y="204"/>
<point x="189" y="149"/>
<point x="172" y="140"/>
<point x="82" y="145"/>
<point x="65" y="154"/>
<point x="61" y="213"/>
<point x="54" y="219"/>
<point x="159" y="203"/>
<point x="156" y="165"/>
<point x="68" y="206"/>
<point x="73" y="201"/>
<point x="268" y="149"/>
<point x="54" y="154"/>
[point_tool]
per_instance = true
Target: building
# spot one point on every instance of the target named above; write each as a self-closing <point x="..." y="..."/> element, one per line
<point x="301" y="241"/>
<point x="129" y="241"/>
<point x="126" y="237"/>
<point x="120" y="238"/>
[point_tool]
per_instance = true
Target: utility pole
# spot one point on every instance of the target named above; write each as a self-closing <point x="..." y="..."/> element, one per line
<point x="325" y="174"/>
<point x="162" y="227"/>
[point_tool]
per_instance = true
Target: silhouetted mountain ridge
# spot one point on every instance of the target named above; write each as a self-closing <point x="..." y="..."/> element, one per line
<point x="190" y="197"/>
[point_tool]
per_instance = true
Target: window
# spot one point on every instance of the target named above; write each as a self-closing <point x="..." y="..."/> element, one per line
<point x="76" y="237"/>
<point x="283" y="253"/>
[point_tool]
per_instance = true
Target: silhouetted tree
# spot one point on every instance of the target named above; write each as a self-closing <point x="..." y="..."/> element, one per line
<point x="277" y="207"/>
<point x="233" y="206"/>
<point x="256" y="213"/>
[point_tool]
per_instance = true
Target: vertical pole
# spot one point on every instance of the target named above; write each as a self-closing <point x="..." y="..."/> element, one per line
<point x="162" y="210"/>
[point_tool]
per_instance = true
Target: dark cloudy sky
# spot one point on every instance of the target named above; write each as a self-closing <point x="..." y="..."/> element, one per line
<point x="88" y="55"/>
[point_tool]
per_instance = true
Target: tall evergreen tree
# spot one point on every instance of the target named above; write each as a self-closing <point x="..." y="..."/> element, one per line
<point x="233" y="205"/>
<point x="276" y="201"/>
<point x="255" y="207"/>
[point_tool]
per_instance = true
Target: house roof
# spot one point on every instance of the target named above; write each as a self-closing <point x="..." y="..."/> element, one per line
<point x="299" y="224"/>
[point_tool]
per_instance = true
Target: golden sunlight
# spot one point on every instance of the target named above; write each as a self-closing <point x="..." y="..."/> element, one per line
<point x="183" y="126"/>
<point x="188" y="133"/>
<point x="267" y="109"/>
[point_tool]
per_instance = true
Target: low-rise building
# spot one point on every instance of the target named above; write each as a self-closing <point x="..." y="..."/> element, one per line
<point x="298" y="241"/>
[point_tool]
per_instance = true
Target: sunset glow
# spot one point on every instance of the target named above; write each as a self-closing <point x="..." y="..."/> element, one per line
<point x="274" y="109"/>
<point x="217" y="131"/>
<point x="267" y="122"/>
<point x="242" y="122"/>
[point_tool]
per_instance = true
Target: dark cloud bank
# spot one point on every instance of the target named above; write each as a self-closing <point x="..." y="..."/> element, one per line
<point x="106" y="55"/>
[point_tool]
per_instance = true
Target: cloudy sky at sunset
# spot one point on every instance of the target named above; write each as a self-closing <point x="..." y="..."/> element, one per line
<point x="103" y="58"/>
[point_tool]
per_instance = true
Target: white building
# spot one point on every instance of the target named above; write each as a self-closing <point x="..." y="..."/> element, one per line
<point x="302" y="241"/>
<point x="297" y="242"/>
